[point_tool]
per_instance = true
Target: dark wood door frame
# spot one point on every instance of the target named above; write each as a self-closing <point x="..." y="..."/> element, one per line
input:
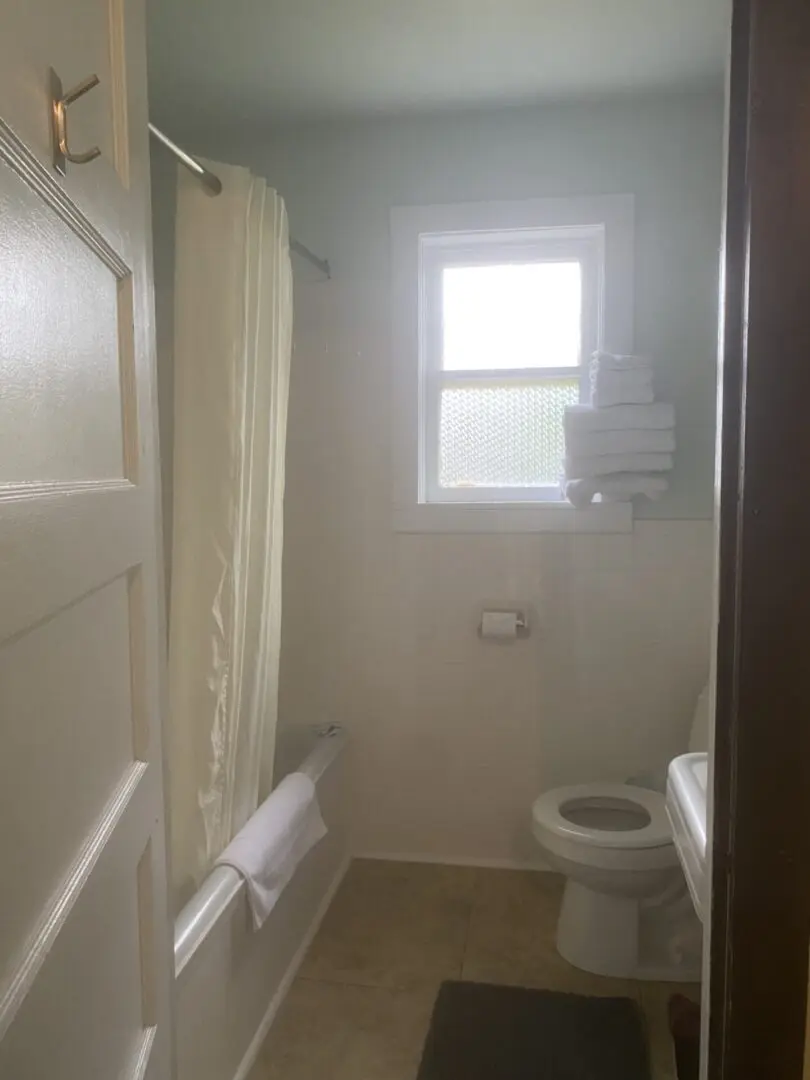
<point x="760" y="918"/>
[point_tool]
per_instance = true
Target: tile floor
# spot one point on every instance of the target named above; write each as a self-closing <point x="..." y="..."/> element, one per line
<point x="361" y="1005"/>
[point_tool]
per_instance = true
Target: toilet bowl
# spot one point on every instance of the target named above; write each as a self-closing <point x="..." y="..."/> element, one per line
<point x="626" y="909"/>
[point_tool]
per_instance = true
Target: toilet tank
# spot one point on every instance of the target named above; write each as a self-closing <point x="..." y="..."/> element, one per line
<point x="699" y="733"/>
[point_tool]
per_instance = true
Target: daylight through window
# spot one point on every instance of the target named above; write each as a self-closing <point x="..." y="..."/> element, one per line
<point x="507" y="329"/>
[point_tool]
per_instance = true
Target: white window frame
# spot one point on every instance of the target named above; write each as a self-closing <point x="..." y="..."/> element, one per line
<point x="584" y="245"/>
<point x="596" y="231"/>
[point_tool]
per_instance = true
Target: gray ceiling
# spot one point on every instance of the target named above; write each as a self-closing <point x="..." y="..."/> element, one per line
<point x="265" y="61"/>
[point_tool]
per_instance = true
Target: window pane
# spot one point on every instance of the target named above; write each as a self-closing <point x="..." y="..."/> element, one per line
<point x="504" y="436"/>
<point x="515" y="316"/>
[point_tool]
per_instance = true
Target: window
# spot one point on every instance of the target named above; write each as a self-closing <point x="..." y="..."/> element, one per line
<point x="497" y="308"/>
<point x="507" y="323"/>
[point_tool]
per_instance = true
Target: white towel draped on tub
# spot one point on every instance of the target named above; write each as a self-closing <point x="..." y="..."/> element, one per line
<point x="275" y="840"/>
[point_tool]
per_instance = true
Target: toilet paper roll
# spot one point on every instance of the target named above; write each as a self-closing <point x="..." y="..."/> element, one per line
<point x="502" y="625"/>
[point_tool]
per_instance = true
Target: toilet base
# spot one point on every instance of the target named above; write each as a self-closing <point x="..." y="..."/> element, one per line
<point x="623" y="937"/>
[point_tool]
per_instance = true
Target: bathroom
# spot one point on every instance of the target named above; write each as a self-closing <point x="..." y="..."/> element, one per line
<point x="449" y="735"/>
<point x="403" y="543"/>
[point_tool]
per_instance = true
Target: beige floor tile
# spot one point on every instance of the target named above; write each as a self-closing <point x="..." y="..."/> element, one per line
<point x="394" y="925"/>
<point x="654" y="999"/>
<point x="362" y="1007"/>
<point x="329" y="1031"/>
<point x="512" y="937"/>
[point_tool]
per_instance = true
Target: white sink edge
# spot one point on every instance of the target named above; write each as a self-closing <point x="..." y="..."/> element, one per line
<point x="686" y="809"/>
<point x="688" y="776"/>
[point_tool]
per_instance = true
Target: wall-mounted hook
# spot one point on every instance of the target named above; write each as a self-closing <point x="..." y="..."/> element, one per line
<point x="60" y="102"/>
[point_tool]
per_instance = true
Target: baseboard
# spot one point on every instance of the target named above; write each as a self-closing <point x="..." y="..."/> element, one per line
<point x="455" y="860"/>
<point x="277" y="999"/>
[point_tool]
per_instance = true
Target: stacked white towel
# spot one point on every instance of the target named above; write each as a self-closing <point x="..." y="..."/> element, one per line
<point x="621" y="445"/>
<point x="620" y="380"/>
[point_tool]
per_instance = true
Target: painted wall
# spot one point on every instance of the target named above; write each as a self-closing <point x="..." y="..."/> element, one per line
<point x="454" y="738"/>
<point x="340" y="180"/>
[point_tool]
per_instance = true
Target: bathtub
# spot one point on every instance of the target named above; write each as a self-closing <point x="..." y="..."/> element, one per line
<point x="230" y="980"/>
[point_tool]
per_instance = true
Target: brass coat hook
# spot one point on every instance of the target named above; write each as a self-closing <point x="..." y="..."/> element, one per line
<point x="60" y="102"/>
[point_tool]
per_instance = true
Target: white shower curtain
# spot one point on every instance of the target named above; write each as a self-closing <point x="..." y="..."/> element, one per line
<point x="233" y="331"/>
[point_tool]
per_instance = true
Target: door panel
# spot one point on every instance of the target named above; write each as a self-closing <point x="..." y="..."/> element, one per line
<point x="86" y="958"/>
<point x="74" y="39"/>
<point x="69" y="358"/>
<point x="84" y="652"/>
<point x="754" y="1005"/>
<point x="94" y="1002"/>
<point x="58" y="542"/>
<point x="77" y="39"/>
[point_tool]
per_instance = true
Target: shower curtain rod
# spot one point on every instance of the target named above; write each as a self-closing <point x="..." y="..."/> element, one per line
<point x="213" y="186"/>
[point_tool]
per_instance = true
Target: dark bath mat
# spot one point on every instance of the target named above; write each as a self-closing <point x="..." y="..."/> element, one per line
<point x="684" y="1023"/>
<point x="483" y="1032"/>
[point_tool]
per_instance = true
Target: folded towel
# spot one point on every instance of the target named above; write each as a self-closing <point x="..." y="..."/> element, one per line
<point x="603" y="361"/>
<point x="581" y="418"/>
<point x="581" y="468"/>
<point x="274" y="841"/>
<point x="585" y="443"/>
<point x="621" y="387"/>
<point x="579" y="493"/>
<point x="622" y="487"/>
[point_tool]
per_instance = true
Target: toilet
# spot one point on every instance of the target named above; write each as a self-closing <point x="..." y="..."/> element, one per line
<point x="626" y="909"/>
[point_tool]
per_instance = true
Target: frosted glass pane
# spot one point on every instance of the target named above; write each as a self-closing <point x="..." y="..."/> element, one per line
<point x="515" y="316"/>
<point x="503" y="436"/>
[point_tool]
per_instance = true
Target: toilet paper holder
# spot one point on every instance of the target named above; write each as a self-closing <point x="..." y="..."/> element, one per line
<point x="521" y="624"/>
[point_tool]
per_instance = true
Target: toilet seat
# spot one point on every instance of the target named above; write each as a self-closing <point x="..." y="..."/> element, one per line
<point x="548" y="815"/>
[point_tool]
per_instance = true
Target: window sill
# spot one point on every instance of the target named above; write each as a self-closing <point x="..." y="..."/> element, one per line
<point x="551" y="517"/>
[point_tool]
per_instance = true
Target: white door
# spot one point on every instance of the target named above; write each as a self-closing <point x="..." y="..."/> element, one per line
<point x="85" y="945"/>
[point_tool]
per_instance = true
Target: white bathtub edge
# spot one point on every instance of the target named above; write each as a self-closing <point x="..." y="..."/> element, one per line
<point x="277" y="1000"/>
<point x="223" y="884"/>
<point x="194" y="923"/>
